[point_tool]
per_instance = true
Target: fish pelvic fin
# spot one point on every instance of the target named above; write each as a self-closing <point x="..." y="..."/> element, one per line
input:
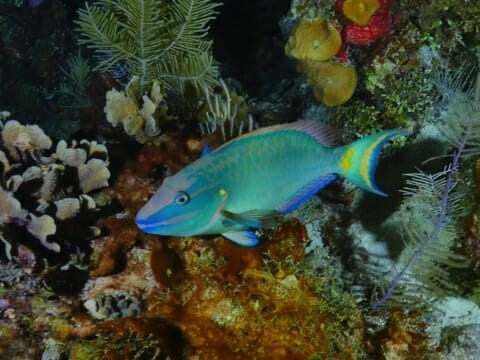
<point x="358" y="161"/>
<point x="246" y="238"/>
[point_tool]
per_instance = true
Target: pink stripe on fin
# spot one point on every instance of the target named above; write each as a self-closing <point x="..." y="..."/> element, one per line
<point x="325" y="134"/>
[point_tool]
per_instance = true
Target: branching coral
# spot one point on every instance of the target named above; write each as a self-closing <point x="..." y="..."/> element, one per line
<point x="156" y="39"/>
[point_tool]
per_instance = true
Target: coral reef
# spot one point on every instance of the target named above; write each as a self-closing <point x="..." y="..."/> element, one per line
<point x="392" y="82"/>
<point x="251" y="313"/>
<point x="207" y="297"/>
<point x="321" y="50"/>
<point x="79" y="280"/>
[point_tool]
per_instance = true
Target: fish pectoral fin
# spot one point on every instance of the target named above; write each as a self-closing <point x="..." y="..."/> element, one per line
<point x="253" y="218"/>
<point x="242" y="237"/>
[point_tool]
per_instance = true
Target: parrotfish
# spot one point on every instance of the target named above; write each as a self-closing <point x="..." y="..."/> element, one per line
<point x="248" y="182"/>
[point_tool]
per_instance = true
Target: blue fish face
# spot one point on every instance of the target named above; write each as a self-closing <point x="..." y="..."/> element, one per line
<point x="182" y="206"/>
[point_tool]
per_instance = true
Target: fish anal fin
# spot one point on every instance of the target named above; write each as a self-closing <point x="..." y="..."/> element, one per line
<point x="244" y="238"/>
<point x="305" y="193"/>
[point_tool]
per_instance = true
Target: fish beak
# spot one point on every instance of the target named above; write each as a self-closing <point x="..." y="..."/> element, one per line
<point x="141" y="219"/>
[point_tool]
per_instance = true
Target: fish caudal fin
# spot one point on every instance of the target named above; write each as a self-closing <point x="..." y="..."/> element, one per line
<point x="357" y="161"/>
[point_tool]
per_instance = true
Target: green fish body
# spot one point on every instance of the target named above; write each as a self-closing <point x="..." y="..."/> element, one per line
<point x="244" y="184"/>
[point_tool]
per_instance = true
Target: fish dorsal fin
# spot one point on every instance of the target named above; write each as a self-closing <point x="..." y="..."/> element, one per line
<point x="325" y="134"/>
<point x="253" y="218"/>
<point x="243" y="237"/>
<point x="305" y="193"/>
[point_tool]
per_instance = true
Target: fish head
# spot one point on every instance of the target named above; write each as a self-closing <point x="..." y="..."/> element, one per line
<point x="184" y="205"/>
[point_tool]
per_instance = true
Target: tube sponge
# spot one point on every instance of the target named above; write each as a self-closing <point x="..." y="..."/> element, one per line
<point x="313" y="40"/>
<point x="360" y="11"/>
<point x="333" y="83"/>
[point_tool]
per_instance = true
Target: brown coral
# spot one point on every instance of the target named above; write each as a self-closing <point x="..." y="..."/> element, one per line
<point x="251" y="312"/>
<point x="314" y="40"/>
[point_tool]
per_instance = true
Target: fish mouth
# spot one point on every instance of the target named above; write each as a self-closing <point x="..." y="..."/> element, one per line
<point x="161" y="227"/>
<point x="147" y="225"/>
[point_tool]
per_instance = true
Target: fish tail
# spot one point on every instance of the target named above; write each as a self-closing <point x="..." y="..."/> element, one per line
<point x="357" y="161"/>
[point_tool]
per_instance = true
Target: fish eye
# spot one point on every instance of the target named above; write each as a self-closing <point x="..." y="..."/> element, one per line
<point x="182" y="198"/>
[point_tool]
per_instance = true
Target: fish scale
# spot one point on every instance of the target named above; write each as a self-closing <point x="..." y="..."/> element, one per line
<point x="271" y="170"/>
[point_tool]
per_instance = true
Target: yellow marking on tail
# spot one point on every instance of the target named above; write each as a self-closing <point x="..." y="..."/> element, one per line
<point x="346" y="160"/>
<point x="365" y="163"/>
